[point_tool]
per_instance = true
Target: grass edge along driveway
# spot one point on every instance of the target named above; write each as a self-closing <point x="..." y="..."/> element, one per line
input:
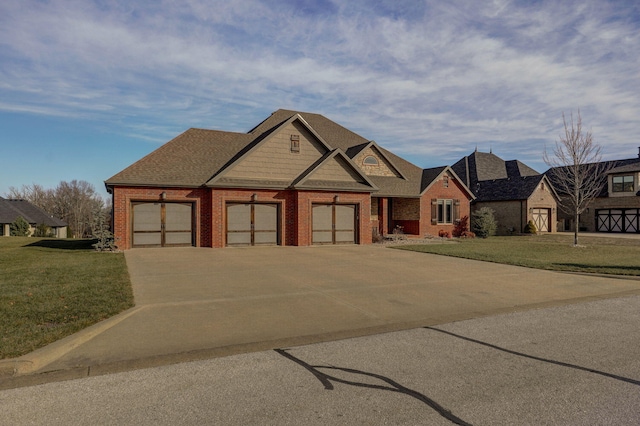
<point x="52" y="288"/>
<point x="598" y="255"/>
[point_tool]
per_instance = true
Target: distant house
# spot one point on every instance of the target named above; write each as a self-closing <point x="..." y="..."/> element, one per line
<point x="617" y="208"/>
<point x="296" y="178"/>
<point x="516" y="192"/>
<point x="10" y="210"/>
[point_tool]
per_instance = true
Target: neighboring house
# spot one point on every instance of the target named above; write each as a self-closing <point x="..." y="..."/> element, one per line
<point x="617" y="208"/>
<point x="10" y="210"/>
<point x="295" y="179"/>
<point x="516" y="192"/>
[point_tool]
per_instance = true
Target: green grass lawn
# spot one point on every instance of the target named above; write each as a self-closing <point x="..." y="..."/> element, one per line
<point x="51" y="288"/>
<point x="600" y="255"/>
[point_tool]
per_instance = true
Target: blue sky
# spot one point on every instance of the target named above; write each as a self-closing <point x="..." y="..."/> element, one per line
<point x="89" y="87"/>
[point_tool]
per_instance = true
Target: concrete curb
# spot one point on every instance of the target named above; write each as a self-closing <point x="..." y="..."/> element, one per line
<point x="38" y="359"/>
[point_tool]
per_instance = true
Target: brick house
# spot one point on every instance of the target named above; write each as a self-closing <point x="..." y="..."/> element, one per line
<point x="617" y="208"/>
<point x="295" y="179"/>
<point x="516" y="192"/>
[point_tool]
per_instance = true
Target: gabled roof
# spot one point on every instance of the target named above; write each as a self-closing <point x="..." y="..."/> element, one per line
<point x="430" y="176"/>
<point x="218" y="178"/>
<point x="490" y="178"/>
<point x="306" y="179"/>
<point x="188" y="160"/>
<point x="353" y="151"/>
<point x="199" y="157"/>
<point x="11" y="209"/>
<point x="610" y="166"/>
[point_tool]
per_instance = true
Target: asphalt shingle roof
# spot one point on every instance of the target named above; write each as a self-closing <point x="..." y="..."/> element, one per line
<point x="11" y="209"/>
<point x="490" y="178"/>
<point x="194" y="157"/>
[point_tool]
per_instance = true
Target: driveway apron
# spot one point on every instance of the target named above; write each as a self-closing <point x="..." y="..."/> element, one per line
<point x="194" y="302"/>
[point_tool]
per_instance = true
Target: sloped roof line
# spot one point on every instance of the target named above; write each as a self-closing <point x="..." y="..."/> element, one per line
<point x="260" y="140"/>
<point x="373" y="144"/>
<point x="12" y="208"/>
<point x="306" y="175"/>
<point x="436" y="172"/>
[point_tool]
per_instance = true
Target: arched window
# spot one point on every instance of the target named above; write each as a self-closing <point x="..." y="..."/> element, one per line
<point x="370" y="160"/>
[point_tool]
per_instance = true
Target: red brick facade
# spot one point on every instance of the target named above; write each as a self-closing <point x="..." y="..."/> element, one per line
<point x="210" y="212"/>
<point x="438" y="191"/>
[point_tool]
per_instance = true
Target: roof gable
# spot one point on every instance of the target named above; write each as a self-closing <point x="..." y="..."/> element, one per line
<point x="271" y="159"/>
<point x="384" y="166"/>
<point x="433" y="175"/>
<point x="334" y="171"/>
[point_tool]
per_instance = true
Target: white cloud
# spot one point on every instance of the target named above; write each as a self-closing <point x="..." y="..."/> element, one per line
<point x="431" y="82"/>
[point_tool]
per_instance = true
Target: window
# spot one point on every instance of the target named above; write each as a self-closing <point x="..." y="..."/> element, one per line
<point x="445" y="211"/>
<point x="295" y="143"/>
<point x="370" y="160"/>
<point x="623" y="183"/>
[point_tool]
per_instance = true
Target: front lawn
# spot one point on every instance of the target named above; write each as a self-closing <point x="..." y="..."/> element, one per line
<point x="601" y="255"/>
<point x="51" y="288"/>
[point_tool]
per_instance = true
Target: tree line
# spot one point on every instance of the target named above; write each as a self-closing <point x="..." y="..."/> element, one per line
<point x="76" y="202"/>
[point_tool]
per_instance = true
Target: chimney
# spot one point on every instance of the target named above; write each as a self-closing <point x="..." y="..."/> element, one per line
<point x="639" y="152"/>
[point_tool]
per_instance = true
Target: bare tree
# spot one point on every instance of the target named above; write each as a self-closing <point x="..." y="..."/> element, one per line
<point x="75" y="202"/>
<point x="577" y="170"/>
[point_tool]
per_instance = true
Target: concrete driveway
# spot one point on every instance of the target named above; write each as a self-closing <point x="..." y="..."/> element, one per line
<point x="194" y="303"/>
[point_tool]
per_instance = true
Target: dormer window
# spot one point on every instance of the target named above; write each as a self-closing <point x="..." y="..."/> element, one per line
<point x="370" y="160"/>
<point x="295" y="143"/>
<point x="623" y="183"/>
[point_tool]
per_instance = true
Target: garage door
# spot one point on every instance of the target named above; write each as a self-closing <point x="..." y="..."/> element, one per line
<point x="334" y="223"/>
<point x="162" y="224"/>
<point x="252" y="224"/>
<point x="541" y="219"/>
<point x="618" y="220"/>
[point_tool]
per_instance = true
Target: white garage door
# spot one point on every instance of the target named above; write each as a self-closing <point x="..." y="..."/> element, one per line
<point x="541" y="219"/>
<point x="334" y="223"/>
<point x="162" y="224"/>
<point x="252" y="224"/>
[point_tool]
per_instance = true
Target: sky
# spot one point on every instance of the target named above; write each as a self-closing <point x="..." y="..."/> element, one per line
<point x="89" y="87"/>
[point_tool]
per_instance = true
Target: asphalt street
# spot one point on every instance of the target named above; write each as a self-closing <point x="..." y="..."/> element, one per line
<point x="567" y="365"/>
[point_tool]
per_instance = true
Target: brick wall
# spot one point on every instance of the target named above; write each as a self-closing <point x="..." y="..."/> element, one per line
<point x="124" y="196"/>
<point x="210" y="211"/>
<point x="454" y="191"/>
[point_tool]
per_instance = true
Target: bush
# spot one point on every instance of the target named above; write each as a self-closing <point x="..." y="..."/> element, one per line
<point x="444" y="234"/>
<point x="484" y="222"/>
<point x="100" y="230"/>
<point x="462" y="226"/>
<point x="19" y="227"/>
<point x="43" y="230"/>
<point x="530" y="228"/>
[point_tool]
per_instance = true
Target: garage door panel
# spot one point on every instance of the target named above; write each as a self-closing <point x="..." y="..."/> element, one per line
<point x="178" y="217"/>
<point x="265" y="217"/>
<point x="162" y="224"/>
<point x="333" y="224"/>
<point x="252" y="224"/>
<point x="239" y="217"/>
<point x="541" y="219"/>
<point x="147" y="238"/>
<point x="147" y="217"/>
<point x="345" y="237"/>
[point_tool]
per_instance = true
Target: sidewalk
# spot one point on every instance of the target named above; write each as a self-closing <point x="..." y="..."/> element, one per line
<point x="196" y="303"/>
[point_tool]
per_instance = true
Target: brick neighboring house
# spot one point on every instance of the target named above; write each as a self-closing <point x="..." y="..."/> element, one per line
<point x="11" y="209"/>
<point x="516" y="192"/>
<point x="617" y="208"/>
<point x="295" y="179"/>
